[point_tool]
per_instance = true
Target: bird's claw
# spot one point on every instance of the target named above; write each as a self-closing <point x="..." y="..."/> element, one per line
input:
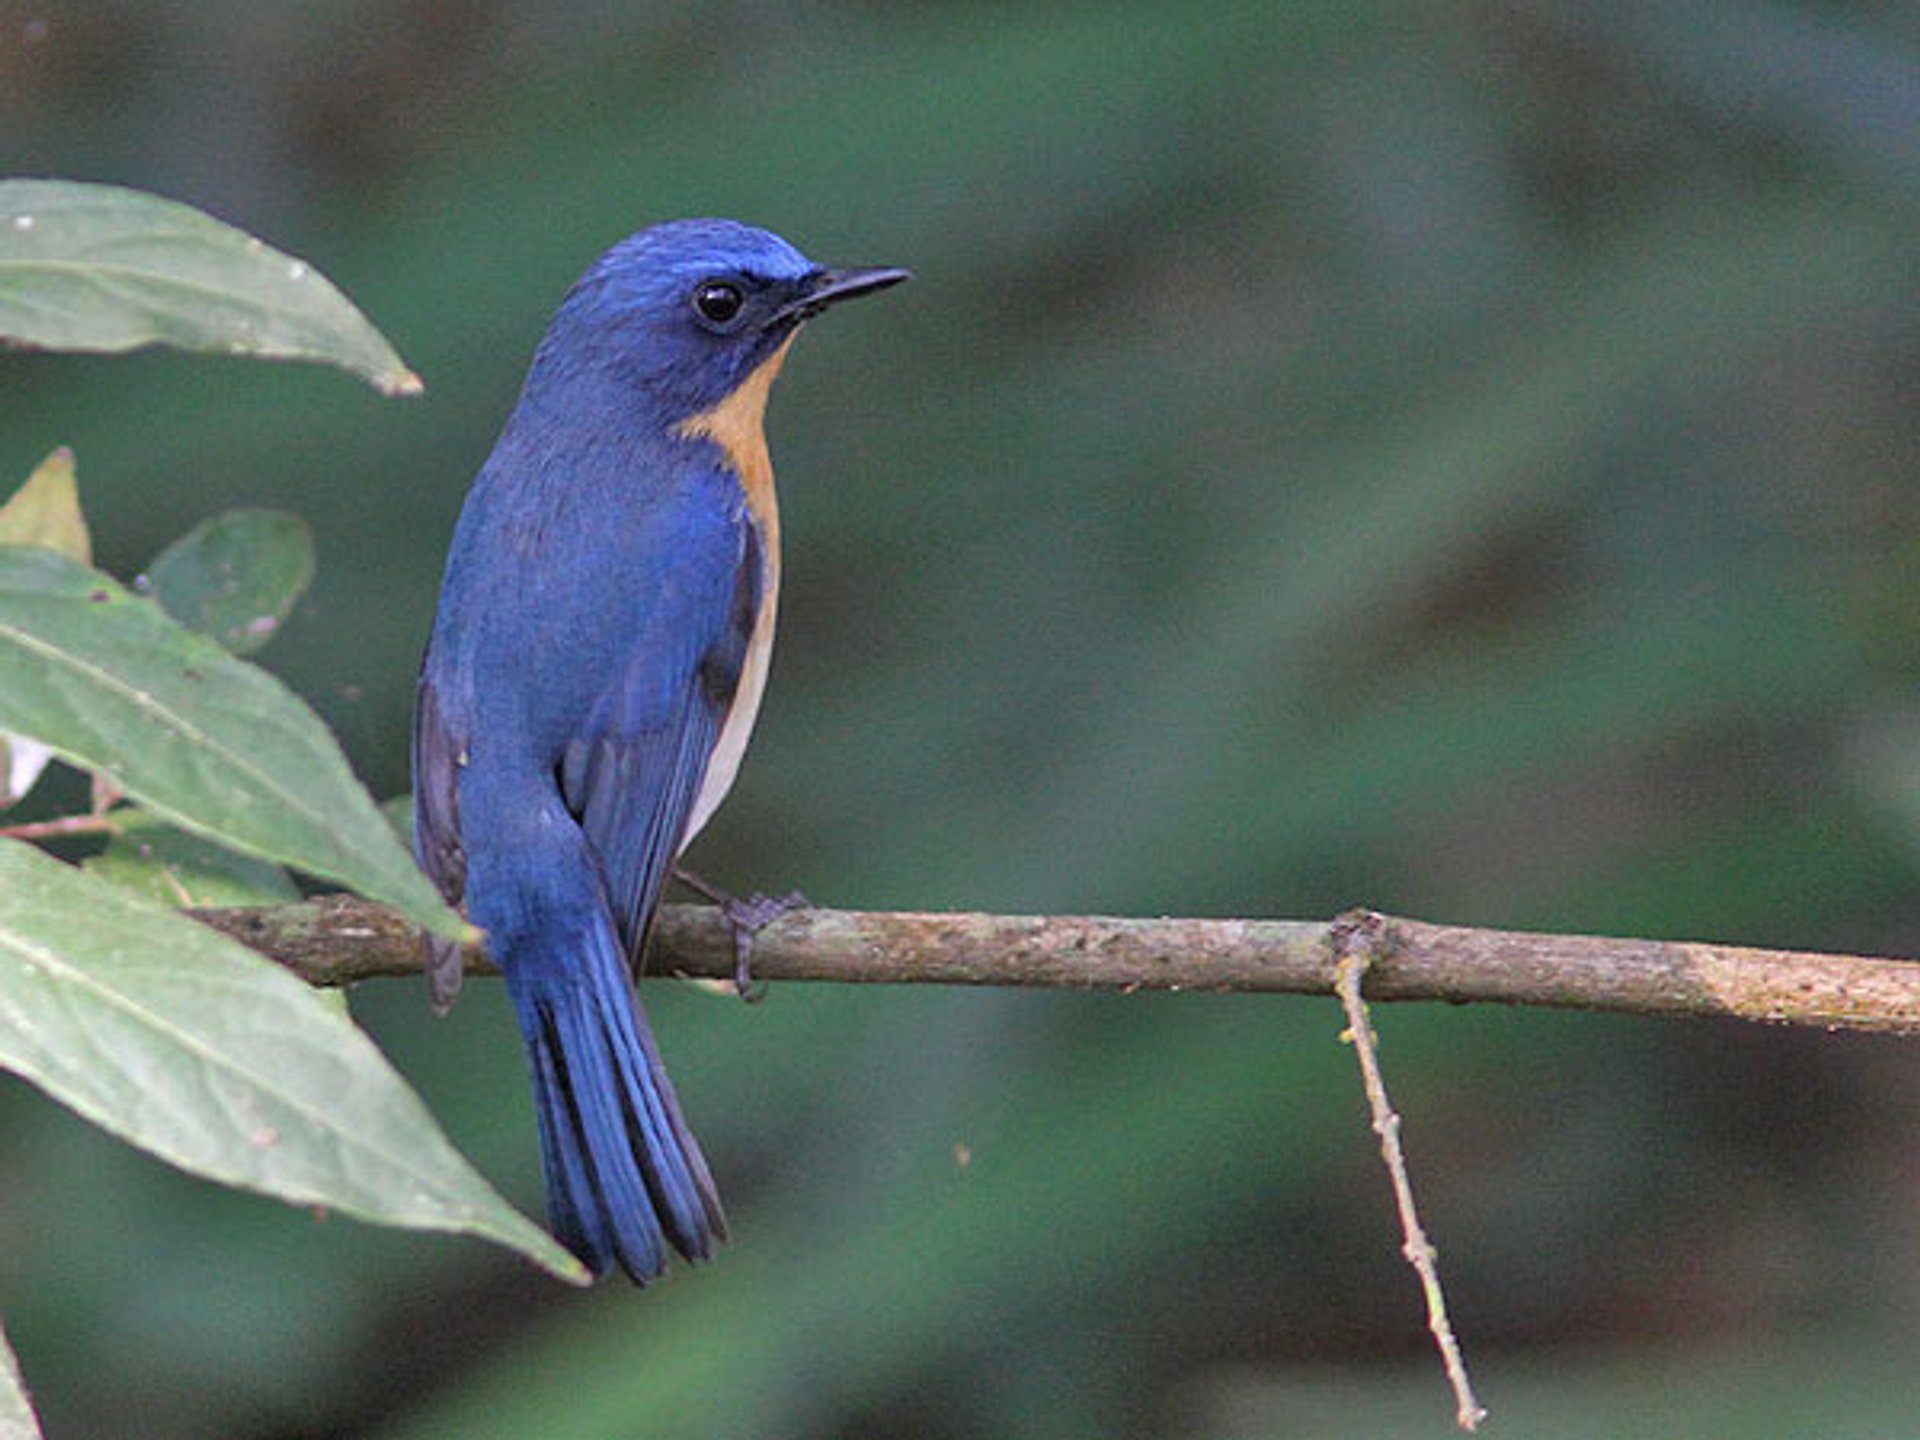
<point x="745" y="919"/>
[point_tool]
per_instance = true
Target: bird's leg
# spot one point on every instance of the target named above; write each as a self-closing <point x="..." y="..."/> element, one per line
<point x="745" y="918"/>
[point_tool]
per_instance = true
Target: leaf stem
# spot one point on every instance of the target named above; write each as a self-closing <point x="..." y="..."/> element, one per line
<point x="96" y="824"/>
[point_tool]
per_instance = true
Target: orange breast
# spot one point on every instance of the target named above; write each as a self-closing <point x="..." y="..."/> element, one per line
<point x="738" y="426"/>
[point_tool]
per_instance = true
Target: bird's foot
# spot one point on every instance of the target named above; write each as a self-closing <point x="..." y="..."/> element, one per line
<point x="745" y="919"/>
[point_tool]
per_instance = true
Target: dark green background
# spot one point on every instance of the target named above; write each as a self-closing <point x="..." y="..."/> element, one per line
<point x="1455" y="459"/>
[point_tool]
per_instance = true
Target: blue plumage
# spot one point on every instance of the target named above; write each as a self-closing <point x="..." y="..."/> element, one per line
<point x="593" y="674"/>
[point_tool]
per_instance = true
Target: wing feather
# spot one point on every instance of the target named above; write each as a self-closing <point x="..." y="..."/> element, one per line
<point x="438" y="754"/>
<point x="632" y="776"/>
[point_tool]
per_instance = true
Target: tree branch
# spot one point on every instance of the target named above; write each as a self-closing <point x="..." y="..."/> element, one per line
<point x="336" y="940"/>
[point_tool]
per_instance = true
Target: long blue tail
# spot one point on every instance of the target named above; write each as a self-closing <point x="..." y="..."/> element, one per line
<point x="625" y="1177"/>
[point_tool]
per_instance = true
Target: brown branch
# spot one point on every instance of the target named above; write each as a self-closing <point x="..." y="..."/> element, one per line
<point x="336" y="940"/>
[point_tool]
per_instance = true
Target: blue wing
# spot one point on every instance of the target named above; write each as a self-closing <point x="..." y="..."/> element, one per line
<point x="437" y="844"/>
<point x="631" y="776"/>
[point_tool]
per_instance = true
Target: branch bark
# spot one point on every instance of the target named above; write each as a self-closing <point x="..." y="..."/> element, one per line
<point x="337" y="940"/>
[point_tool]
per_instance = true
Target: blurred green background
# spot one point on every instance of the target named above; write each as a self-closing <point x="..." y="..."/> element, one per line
<point x="1455" y="459"/>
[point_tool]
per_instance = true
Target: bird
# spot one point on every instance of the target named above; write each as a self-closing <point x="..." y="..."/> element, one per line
<point x="594" y="670"/>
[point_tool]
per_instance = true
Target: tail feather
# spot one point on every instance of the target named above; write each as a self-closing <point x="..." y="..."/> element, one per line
<point x="576" y="1208"/>
<point x="625" y="1177"/>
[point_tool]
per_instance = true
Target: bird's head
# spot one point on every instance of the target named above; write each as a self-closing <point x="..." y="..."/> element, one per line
<point x="688" y="310"/>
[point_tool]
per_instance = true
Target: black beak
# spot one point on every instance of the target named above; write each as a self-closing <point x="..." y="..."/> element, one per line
<point x="830" y="287"/>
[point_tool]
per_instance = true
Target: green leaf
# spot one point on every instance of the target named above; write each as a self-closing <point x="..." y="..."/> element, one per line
<point x="398" y="812"/>
<point x="236" y="577"/>
<point x="46" y="511"/>
<point x="166" y="864"/>
<point x="218" y="746"/>
<point x="97" y="267"/>
<point x="194" y="1048"/>
<point x="16" y="1411"/>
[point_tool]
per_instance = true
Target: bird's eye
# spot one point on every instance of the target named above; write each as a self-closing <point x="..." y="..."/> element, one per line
<point x="718" y="302"/>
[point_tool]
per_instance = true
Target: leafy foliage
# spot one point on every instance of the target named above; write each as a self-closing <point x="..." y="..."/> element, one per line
<point x="100" y="676"/>
<point x="153" y="1026"/>
<point x="146" y="855"/>
<point x="44" y="512"/>
<point x="193" y="1047"/>
<point x="97" y="267"/>
<point x="235" y="577"/>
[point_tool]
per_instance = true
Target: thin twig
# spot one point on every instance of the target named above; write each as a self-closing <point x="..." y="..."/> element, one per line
<point x="97" y="824"/>
<point x="1354" y="939"/>
<point x="337" y="940"/>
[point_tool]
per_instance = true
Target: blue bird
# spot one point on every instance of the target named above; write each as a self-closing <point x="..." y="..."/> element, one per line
<point x="601" y="647"/>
